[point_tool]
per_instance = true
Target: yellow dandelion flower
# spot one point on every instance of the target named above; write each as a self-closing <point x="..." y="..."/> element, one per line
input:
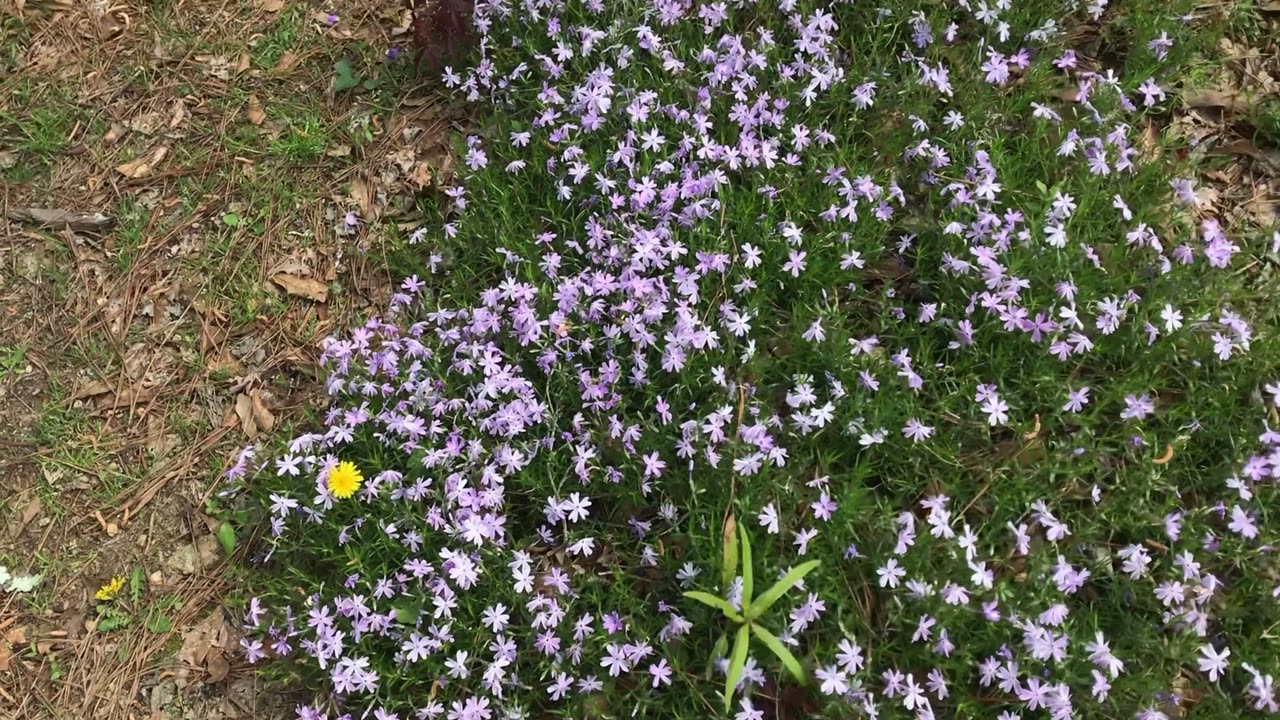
<point x="345" y="480"/>
<point x="110" y="590"/>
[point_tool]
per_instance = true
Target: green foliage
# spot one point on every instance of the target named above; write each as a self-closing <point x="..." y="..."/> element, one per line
<point x="746" y="621"/>
<point x="158" y="622"/>
<point x="227" y="537"/>
<point x="137" y="583"/>
<point x="112" y="618"/>
<point x="775" y="593"/>
<point x="345" y="77"/>
<point x="1207" y="410"/>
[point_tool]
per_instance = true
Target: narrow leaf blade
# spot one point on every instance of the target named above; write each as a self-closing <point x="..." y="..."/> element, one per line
<point x="780" y="588"/>
<point x="788" y="660"/>
<point x="716" y="602"/>
<point x="748" y="581"/>
<point x="729" y="561"/>
<point x="736" y="663"/>
<point x="721" y="649"/>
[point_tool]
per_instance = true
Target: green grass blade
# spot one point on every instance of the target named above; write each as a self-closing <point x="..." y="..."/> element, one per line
<point x="780" y="588"/>
<point x="747" y="579"/>
<point x="788" y="660"/>
<point x="729" y="563"/>
<point x="736" y="663"/>
<point x="716" y="602"/>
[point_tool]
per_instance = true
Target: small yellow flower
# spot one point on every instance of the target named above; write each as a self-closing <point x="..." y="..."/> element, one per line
<point x="345" y="480"/>
<point x="110" y="590"/>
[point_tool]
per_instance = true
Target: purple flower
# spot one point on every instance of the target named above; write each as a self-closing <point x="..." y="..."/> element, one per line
<point x="660" y="672"/>
<point x="1138" y="408"/>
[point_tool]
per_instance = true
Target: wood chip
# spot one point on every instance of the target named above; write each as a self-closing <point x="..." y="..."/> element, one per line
<point x="304" y="287"/>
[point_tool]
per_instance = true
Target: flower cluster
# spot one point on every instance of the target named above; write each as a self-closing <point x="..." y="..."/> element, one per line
<point x="908" y="284"/>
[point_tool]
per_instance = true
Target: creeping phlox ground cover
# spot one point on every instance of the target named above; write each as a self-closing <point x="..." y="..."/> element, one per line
<point x="916" y="290"/>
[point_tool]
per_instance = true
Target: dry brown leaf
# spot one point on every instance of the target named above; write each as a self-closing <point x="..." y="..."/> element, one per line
<point x="285" y="63"/>
<point x="294" y="267"/>
<point x="178" y="114"/>
<point x="1268" y="158"/>
<point x="91" y="389"/>
<point x="142" y="167"/>
<point x="254" y="111"/>
<point x="254" y="416"/>
<point x="362" y="193"/>
<point x="132" y="395"/>
<point x="1035" y="432"/>
<point x="1229" y="100"/>
<point x="147" y="123"/>
<point x="223" y="363"/>
<point x="305" y="287"/>
<point x="242" y="63"/>
<point x="16" y="635"/>
<point x="213" y="331"/>
<point x="116" y="132"/>
<point x="109" y="26"/>
<point x="271" y="6"/>
<point x="6" y="658"/>
<point x="204" y="646"/>
<point x="80" y="222"/>
<point x="30" y="512"/>
<point x="244" y="411"/>
<point x="422" y="175"/>
<point x="217" y="667"/>
<point x="261" y="415"/>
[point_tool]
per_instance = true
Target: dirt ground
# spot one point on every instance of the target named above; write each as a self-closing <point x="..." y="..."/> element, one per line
<point x="210" y="154"/>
